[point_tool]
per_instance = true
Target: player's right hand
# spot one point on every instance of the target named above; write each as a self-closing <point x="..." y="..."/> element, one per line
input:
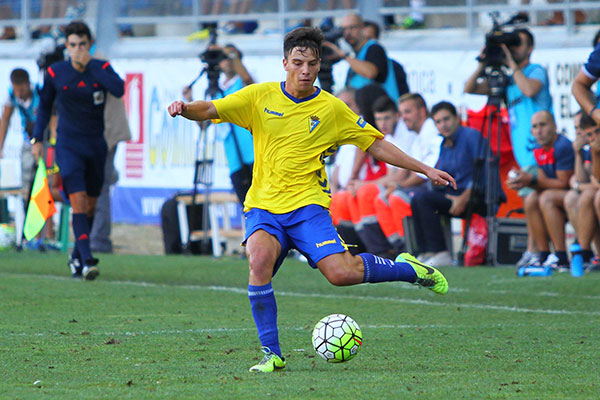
<point x="176" y="108"/>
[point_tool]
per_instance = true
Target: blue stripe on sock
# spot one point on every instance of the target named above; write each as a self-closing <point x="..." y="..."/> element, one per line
<point x="378" y="269"/>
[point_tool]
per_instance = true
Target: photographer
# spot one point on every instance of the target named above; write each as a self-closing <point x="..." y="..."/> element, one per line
<point x="25" y="98"/>
<point x="527" y="91"/>
<point x="237" y="141"/>
<point x="370" y="63"/>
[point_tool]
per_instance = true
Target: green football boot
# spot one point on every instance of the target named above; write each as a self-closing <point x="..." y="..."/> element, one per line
<point x="427" y="276"/>
<point x="271" y="362"/>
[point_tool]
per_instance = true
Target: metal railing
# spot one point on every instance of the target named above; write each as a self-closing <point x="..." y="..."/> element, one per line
<point x="27" y="15"/>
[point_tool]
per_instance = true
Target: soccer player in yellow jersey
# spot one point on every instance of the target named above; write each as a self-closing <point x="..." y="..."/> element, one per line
<point x="295" y="125"/>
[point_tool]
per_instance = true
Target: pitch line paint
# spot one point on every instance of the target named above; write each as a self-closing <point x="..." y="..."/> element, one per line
<point x="244" y="291"/>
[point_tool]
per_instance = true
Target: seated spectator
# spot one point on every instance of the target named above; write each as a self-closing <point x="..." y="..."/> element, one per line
<point x="416" y="135"/>
<point x="371" y="227"/>
<point x="584" y="188"/>
<point x="341" y="213"/>
<point x="544" y="208"/>
<point x="460" y="148"/>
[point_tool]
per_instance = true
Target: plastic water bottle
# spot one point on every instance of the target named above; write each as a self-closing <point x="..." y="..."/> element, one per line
<point x="534" y="271"/>
<point x="576" y="260"/>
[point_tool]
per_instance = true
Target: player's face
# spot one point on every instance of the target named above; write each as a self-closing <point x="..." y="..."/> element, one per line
<point x="22" y="91"/>
<point x="77" y="46"/>
<point x="592" y="134"/>
<point x="302" y="67"/>
<point x="226" y="66"/>
<point x="577" y="125"/>
<point x="521" y="52"/>
<point x="543" y="129"/>
<point x="412" y="115"/>
<point x="445" y="122"/>
<point x="352" y="28"/>
<point x="386" y="121"/>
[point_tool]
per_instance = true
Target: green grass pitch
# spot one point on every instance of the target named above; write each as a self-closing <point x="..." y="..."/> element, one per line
<point x="172" y="327"/>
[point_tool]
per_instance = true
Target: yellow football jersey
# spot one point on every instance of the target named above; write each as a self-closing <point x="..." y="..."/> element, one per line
<point x="292" y="137"/>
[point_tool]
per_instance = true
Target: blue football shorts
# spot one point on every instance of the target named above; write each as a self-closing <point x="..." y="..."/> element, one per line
<point x="81" y="164"/>
<point x="308" y="229"/>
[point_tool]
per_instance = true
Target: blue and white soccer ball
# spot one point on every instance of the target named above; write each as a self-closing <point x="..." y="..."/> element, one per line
<point x="337" y="338"/>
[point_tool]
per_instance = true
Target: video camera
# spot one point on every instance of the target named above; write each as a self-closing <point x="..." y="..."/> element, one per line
<point x="493" y="54"/>
<point x="330" y="34"/>
<point x="52" y="53"/>
<point x="212" y="58"/>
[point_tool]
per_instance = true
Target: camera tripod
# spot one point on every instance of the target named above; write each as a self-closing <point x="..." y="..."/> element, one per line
<point x="490" y="165"/>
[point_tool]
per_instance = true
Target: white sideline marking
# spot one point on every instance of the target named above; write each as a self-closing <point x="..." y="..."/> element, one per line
<point x="335" y="296"/>
<point x="223" y="330"/>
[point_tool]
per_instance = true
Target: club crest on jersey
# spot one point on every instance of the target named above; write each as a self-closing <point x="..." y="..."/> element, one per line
<point x="361" y="122"/>
<point x="314" y="121"/>
<point x="98" y="97"/>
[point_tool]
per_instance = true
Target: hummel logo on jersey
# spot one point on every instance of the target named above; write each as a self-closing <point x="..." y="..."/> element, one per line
<point x="332" y="241"/>
<point x="361" y="122"/>
<point x="314" y="121"/>
<point x="273" y="112"/>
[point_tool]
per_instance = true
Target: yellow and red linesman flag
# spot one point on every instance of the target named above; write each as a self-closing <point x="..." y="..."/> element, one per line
<point x="41" y="205"/>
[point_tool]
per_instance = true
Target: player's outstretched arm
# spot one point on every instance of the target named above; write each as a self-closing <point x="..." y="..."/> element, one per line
<point x="582" y="91"/>
<point x="196" y="110"/>
<point x="390" y="154"/>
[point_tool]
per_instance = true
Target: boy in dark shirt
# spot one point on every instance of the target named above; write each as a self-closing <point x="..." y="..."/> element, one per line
<point x="78" y="86"/>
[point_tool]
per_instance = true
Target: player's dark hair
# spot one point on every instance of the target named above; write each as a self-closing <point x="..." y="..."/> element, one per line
<point x="416" y="97"/>
<point x="443" y="105"/>
<point x="384" y="104"/>
<point x="232" y="46"/>
<point x="375" y="26"/>
<point x="528" y="34"/>
<point x="304" y="38"/>
<point x="19" y="76"/>
<point x="78" y="28"/>
<point x="586" y="121"/>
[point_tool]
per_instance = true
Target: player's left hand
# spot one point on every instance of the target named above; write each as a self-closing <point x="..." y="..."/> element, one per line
<point x="440" y="178"/>
<point x="176" y="108"/>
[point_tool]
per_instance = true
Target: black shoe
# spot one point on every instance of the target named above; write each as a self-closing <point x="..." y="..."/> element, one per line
<point x="75" y="266"/>
<point x="90" y="269"/>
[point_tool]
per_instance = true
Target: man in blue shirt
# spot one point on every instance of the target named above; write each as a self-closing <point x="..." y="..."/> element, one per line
<point x="370" y="64"/>
<point x="460" y="148"/>
<point x="528" y="91"/>
<point x="544" y="207"/>
<point x="78" y="86"/>
<point x="236" y="140"/>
